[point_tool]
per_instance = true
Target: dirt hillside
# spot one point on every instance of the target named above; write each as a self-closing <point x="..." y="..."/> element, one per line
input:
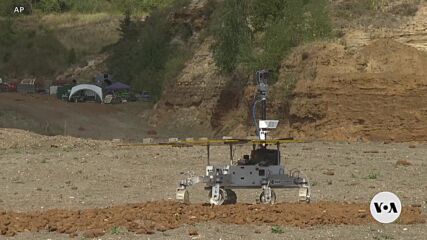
<point x="377" y="93"/>
<point x="410" y="30"/>
<point x="189" y="102"/>
<point x="367" y="85"/>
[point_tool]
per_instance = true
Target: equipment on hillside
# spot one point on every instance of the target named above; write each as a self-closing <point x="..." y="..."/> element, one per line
<point x="262" y="168"/>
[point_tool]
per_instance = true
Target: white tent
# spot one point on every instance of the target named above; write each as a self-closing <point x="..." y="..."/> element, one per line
<point x="91" y="87"/>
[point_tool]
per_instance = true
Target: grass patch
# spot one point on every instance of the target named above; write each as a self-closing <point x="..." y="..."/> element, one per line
<point x="373" y="176"/>
<point x="277" y="230"/>
<point x="289" y="85"/>
<point x="87" y="34"/>
<point x="44" y="45"/>
<point x="73" y="20"/>
<point x="23" y="52"/>
<point x="116" y="230"/>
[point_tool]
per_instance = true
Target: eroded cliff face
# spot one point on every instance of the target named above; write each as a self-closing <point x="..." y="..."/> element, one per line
<point x="376" y="93"/>
<point x="411" y="31"/>
<point x="189" y="103"/>
<point x="369" y="85"/>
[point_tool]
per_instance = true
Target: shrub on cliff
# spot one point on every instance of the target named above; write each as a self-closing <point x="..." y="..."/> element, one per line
<point x="259" y="33"/>
<point x="146" y="55"/>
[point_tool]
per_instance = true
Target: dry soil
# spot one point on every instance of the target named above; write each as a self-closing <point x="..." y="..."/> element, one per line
<point x="60" y="187"/>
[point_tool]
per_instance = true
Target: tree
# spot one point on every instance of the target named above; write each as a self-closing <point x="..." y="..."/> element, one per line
<point x="7" y="33"/>
<point x="266" y="12"/>
<point x="257" y="34"/>
<point x="232" y="34"/>
<point x="140" y="56"/>
<point x="127" y="28"/>
<point x="72" y="57"/>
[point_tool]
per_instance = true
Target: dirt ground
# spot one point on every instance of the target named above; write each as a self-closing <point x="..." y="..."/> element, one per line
<point x="50" y="116"/>
<point x="147" y="218"/>
<point x="40" y="174"/>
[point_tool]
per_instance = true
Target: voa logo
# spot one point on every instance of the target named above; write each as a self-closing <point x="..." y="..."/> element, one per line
<point x="389" y="208"/>
<point x="385" y="207"/>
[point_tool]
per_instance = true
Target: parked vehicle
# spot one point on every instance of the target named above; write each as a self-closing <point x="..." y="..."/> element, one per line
<point x="8" y="87"/>
<point x="78" y="98"/>
<point x="144" y="96"/>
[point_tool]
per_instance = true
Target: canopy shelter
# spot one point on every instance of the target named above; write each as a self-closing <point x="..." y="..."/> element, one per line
<point x="117" y="86"/>
<point x="97" y="90"/>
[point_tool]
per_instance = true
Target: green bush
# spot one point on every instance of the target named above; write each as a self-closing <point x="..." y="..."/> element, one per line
<point x="119" y="6"/>
<point x="7" y="33"/>
<point x="92" y="6"/>
<point x="24" y="52"/>
<point x="277" y="230"/>
<point x="232" y="34"/>
<point x="81" y="6"/>
<point x="146" y="56"/>
<point x="49" y="6"/>
<point x="258" y="34"/>
<point x="5" y="7"/>
<point x="372" y="175"/>
<point x="116" y="230"/>
<point x="265" y="13"/>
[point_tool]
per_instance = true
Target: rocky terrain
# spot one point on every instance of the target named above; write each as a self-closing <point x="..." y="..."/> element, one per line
<point x="62" y="187"/>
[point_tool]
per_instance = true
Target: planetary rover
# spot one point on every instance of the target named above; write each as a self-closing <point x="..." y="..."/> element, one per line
<point x="262" y="168"/>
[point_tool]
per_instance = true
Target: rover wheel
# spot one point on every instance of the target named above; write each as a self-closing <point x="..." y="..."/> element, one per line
<point x="304" y="195"/>
<point x="220" y="200"/>
<point x="264" y="200"/>
<point x="182" y="195"/>
<point x="231" y="197"/>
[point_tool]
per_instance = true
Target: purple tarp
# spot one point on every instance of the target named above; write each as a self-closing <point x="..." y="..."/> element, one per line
<point x="117" y="86"/>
